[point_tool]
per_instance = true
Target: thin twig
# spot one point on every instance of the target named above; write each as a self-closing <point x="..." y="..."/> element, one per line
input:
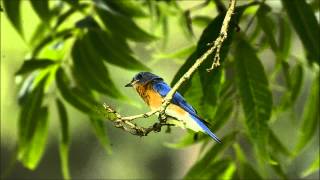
<point x="125" y="122"/>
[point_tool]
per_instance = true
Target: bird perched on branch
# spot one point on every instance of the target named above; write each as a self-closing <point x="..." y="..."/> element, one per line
<point x="153" y="89"/>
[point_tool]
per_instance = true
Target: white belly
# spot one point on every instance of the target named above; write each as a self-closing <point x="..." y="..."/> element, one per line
<point x="184" y="121"/>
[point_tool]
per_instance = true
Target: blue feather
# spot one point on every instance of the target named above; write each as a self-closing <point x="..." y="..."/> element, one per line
<point x="163" y="89"/>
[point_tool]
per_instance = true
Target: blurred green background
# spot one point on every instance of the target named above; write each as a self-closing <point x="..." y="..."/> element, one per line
<point x="146" y="157"/>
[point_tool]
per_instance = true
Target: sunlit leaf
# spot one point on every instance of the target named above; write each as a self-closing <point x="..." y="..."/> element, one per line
<point x="34" y="64"/>
<point x="41" y="7"/>
<point x="310" y="116"/>
<point x="314" y="166"/>
<point x="255" y="94"/>
<point x="63" y="17"/>
<point x="63" y="35"/>
<point x="12" y="9"/>
<point x="64" y="142"/>
<point x="306" y="25"/>
<point x="285" y="36"/>
<point x="100" y="131"/>
<point x="37" y="142"/>
<point x="90" y="69"/>
<point x="123" y="26"/>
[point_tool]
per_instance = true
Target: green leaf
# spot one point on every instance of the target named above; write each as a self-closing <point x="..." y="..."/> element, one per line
<point x="306" y="25"/>
<point x="285" y="36"/>
<point x="187" y="140"/>
<point x="277" y="145"/>
<point x="213" y="170"/>
<point x="41" y="7"/>
<point x="267" y="25"/>
<point x="64" y="142"/>
<point x="78" y="99"/>
<point x="90" y="68"/>
<point x="314" y="166"/>
<point x="278" y="168"/>
<point x="244" y="170"/>
<point x="123" y="26"/>
<point x="201" y="21"/>
<point x="210" y="156"/>
<point x="34" y="64"/>
<point x="63" y="17"/>
<point x="127" y="8"/>
<point x="34" y="149"/>
<point x="113" y="50"/>
<point x="99" y="129"/>
<point x="256" y="97"/>
<point x="310" y="116"/>
<point x="12" y="9"/>
<point x="28" y="121"/>
<point x="63" y="35"/>
<point x="179" y="54"/>
<point x="186" y="24"/>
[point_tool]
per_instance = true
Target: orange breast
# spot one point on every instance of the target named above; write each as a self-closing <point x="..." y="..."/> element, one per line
<point x="151" y="97"/>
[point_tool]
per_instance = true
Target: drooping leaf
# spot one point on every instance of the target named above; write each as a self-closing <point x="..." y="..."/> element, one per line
<point x="314" y="166"/>
<point x="41" y="7"/>
<point x="256" y="97"/>
<point x="80" y="100"/>
<point x="63" y="17"/>
<point x="277" y="167"/>
<point x="212" y="170"/>
<point x="34" y="64"/>
<point x="64" y="141"/>
<point x="267" y="25"/>
<point x="90" y="69"/>
<point x="99" y="129"/>
<point x="186" y="24"/>
<point x="310" y="116"/>
<point x="29" y="119"/>
<point x="123" y="26"/>
<point x="36" y="144"/>
<point x="87" y="22"/>
<point x="113" y="50"/>
<point x="12" y="9"/>
<point x="285" y="37"/>
<point x="306" y="25"/>
<point x="210" y="156"/>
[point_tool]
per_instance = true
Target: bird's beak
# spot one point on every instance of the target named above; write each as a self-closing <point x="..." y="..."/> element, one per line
<point x="131" y="83"/>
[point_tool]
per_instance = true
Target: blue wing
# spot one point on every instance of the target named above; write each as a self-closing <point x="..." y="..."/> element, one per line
<point x="163" y="89"/>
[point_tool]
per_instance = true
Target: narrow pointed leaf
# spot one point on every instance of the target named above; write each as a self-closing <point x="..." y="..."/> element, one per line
<point x="79" y="100"/>
<point x="64" y="140"/>
<point x="90" y="69"/>
<point x="277" y="145"/>
<point x="36" y="144"/>
<point x="256" y="97"/>
<point x="210" y="156"/>
<point x="123" y="26"/>
<point x="310" y="116"/>
<point x="99" y="129"/>
<point x="314" y="166"/>
<point x="113" y="50"/>
<point x="12" y="9"/>
<point x="127" y="8"/>
<point x="306" y="25"/>
<point x="41" y="7"/>
<point x="34" y="64"/>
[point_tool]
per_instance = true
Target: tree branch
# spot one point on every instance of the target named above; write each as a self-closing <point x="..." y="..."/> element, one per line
<point x="125" y="122"/>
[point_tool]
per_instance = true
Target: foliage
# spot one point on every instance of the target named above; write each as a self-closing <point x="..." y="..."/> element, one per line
<point x="237" y="97"/>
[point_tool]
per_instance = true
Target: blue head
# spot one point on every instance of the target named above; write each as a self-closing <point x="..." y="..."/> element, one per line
<point x="143" y="78"/>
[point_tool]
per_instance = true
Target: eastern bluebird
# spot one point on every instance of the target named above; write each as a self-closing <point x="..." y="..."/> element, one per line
<point x="153" y="89"/>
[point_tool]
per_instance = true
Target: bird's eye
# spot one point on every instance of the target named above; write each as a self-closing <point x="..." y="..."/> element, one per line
<point x="139" y="76"/>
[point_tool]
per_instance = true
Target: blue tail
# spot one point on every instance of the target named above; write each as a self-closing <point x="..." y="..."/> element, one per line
<point x="206" y="129"/>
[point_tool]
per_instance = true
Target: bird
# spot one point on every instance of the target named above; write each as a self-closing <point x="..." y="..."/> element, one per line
<point x="153" y="89"/>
